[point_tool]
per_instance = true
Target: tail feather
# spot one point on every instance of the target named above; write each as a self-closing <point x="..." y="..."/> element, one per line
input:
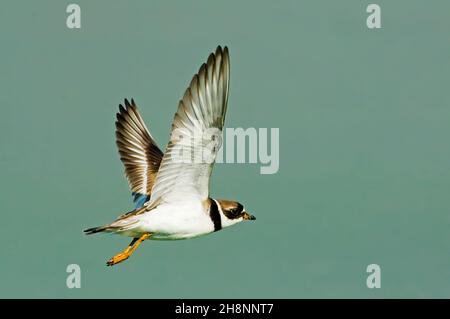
<point x="95" y="230"/>
<point x="123" y="223"/>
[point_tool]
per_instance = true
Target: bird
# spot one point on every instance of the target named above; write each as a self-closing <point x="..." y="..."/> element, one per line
<point x="170" y="190"/>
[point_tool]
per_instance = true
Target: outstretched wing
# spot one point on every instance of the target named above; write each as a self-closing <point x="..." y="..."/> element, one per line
<point x="138" y="152"/>
<point x="196" y="134"/>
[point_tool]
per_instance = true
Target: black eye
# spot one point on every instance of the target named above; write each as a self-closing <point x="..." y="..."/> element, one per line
<point x="234" y="212"/>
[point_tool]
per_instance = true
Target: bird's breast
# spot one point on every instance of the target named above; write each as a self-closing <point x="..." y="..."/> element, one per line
<point x="179" y="221"/>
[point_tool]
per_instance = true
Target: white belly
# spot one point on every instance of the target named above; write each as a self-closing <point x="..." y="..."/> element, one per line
<point x="181" y="221"/>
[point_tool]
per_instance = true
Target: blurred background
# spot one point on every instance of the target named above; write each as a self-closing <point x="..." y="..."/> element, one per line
<point x="364" y="154"/>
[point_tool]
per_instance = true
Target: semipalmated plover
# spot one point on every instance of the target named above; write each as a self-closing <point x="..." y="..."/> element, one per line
<point x="171" y="189"/>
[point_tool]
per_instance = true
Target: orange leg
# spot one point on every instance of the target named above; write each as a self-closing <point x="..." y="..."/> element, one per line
<point x="124" y="255"/>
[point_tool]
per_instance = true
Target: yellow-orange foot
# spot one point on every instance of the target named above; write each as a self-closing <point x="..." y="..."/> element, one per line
<point x="120" y="257"/>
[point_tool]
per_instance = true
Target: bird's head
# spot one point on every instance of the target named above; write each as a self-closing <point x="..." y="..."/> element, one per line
<point x="233" y="212"/>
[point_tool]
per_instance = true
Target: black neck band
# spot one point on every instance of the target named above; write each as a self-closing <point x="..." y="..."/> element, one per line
<point x="214" y="214"/>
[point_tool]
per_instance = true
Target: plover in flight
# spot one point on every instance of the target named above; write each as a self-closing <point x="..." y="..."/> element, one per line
<point x="171" y="189"/>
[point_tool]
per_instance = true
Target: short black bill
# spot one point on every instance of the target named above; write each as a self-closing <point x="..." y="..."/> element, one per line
<point x="248" y="216"/>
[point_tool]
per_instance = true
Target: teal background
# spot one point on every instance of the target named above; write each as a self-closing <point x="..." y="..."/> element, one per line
<point x="364" y="146"/>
